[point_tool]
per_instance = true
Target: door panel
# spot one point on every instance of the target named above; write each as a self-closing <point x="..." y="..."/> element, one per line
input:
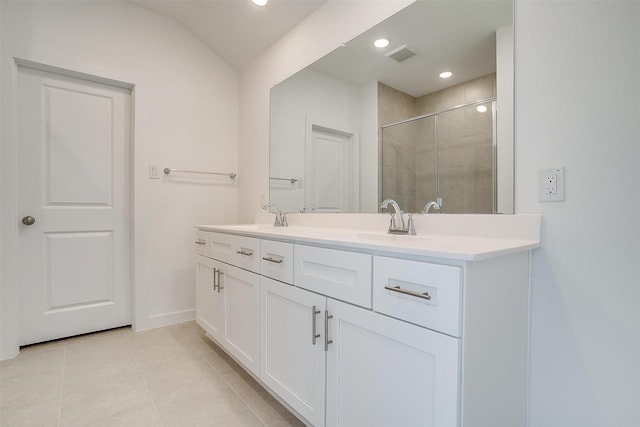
<point x="241" y="290"/>
<point x="331" y="170"/>
<point x="291" y="362"/>
<point x="74" y="178"/>
<point x="79" y="269"/>
<point x="385" y="372"/>
<point x="78" y="143"/>
<point x="209" y="302"/>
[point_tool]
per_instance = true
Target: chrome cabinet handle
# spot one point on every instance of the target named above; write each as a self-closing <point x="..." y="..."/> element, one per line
<point x="245" y="253"/>
<point x="327" y="341"/>
<point x="28" y="220"/>
<point x="215" y="285"/>
<point x="423" y="295"/>
<point x="277" y="261"/>
<point x="314" y="334"/>
<point x="200" y="242"/>
<point x="220" y="273"/>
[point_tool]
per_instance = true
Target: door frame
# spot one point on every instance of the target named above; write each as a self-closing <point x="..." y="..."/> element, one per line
<point x="9" y="287"/>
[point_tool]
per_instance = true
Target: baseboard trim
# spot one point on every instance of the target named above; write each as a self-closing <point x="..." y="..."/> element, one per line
<point x="161" y="320"/>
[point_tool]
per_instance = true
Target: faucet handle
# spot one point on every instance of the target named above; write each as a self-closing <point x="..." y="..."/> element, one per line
<point x="410" y="228"/>
<point x="284" y="222"/>
<point x="307" y="208"/>
<point x="392" y="223"/>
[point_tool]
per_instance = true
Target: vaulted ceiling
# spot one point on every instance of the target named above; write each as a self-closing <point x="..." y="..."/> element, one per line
<point x="236" y="30"/>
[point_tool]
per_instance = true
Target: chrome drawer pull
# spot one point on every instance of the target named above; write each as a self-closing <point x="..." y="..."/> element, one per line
<point x="243" y="252"/>
<point x="200" y="242"/>
<point x="424" y="295"/>
<point x="277" y="261"/>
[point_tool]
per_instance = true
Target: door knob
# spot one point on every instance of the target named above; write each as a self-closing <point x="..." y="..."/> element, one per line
<point x="28" y="220"/>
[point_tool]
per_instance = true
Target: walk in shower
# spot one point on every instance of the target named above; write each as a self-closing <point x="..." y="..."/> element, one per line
<point x="449" y="156"/>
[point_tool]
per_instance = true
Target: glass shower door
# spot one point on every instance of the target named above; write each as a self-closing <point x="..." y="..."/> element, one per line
<point x="409" y="170"/>
<point x="447" y="156"/>
<point x="466" y="166"/>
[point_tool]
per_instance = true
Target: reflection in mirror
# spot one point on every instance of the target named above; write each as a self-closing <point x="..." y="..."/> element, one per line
<point x="445" y="156"/>
<point x="364" y="123"/>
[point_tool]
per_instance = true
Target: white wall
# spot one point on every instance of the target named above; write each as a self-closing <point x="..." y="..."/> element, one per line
<point x="186" y="116"/>
<point x="577" y="105"/>
<point x="330" y="25"/>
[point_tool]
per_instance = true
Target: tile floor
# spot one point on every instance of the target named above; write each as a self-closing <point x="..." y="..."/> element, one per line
<point x="172" y="376"/>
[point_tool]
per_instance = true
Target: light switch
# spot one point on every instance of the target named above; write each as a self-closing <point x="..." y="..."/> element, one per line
<point x="154" y="172"/>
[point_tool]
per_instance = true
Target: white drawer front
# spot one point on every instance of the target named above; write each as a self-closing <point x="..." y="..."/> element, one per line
<point x="220" y="247"/>
<point x="201" y="242"/>
<point x="247" y="253"/>
<point x="338" y="274"/>
<point x="276" y="260"/>
<point x="418" y="292"/>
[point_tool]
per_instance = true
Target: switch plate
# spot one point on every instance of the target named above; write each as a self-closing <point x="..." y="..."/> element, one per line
<point x="551" y="184"/>
<point x="154" y="172"/>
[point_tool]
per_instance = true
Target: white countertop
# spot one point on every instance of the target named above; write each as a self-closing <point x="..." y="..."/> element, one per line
<point x="459" y="237"/>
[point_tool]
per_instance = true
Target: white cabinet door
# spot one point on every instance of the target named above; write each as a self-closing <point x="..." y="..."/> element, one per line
<point x="241" y="292"/>
<point x="209" y="302"/>
<point x="292" y="360"/>
<point x="385" y="372"/>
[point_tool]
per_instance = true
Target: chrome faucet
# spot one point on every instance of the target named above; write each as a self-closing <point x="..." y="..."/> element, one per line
<point x="281" y="217"/>
<point x="393" y="227"/>
<point x="429" y="205"/>
<point x="308" y="208"/>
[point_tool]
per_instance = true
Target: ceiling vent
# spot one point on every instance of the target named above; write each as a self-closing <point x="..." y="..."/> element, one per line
<point x="402" y="53"/>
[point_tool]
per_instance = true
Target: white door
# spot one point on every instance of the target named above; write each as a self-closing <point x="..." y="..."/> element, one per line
<point x="332" y="170"/>
<point x="385" y="372"/>
<point x="292" y="357"/>
<point x="74" y="138"/>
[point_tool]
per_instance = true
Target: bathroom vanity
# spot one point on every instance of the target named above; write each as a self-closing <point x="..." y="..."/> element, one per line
<point x="351" y="326"/>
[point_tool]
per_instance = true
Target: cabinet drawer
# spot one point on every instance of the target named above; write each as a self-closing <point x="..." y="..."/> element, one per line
<point x="220" y="246"/>
<point x="338" y="274"/>
<point x="418" y="292"/>
<point x="247" y="253"/>
<point x="201" y="242"/>
<point x="276" y="260"/>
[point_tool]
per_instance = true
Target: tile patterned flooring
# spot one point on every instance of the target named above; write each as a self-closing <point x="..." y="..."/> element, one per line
<point x="172" y="376"/>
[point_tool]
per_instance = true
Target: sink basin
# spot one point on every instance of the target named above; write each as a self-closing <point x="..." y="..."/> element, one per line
<point x="249" y="227"/>
<point x="330" y="234"/>
<point x="391" y="238"/>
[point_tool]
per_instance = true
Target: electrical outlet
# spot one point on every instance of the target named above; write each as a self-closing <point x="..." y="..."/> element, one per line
<point x="551" y="184"/>
<point x="550" y="180"/>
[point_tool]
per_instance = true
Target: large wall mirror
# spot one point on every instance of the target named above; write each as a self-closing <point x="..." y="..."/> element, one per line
<point x="366" y="123"/>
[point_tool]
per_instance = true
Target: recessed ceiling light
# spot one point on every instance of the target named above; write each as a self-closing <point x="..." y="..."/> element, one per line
<point x="445" y="74"/>
<point x="260" y="2"/>
<point x="481" y="108"/>
<point x="381" y="43"/>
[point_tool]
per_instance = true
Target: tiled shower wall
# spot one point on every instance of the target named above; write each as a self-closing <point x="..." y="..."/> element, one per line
<point x="465" y="153"/>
